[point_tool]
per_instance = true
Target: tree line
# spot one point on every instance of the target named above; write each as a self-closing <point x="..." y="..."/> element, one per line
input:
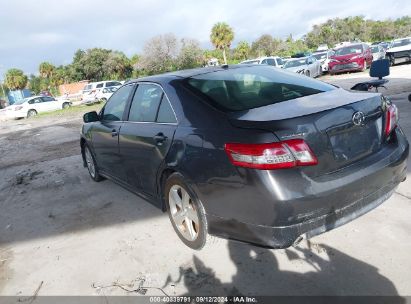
<point x="165" y="53"/>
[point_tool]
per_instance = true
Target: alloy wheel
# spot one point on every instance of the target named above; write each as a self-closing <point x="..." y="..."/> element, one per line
<point x="90" y="162"/>
<point x="184" y="213"/>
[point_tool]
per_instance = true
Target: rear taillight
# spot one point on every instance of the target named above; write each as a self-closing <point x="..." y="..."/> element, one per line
<point x="285" y="154"/>
<point x="391" y="119"/>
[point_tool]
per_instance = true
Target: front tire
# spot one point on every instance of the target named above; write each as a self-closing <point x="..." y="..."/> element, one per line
<point x="91" y="165"/>
<point x="307" y="73"/>
<point x="186" y="212"/>
<point x="66" y="105"/>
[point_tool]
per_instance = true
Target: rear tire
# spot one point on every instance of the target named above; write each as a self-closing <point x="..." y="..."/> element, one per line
<point x="307" y="73"/>
<point x="66" y="105"/>
<point x="186" y="212"/>
<point x="91" y="164"/>
<point x="31" y="113"/>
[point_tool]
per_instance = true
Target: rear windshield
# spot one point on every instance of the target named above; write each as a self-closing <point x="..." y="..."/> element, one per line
<point x="239" y="89"/>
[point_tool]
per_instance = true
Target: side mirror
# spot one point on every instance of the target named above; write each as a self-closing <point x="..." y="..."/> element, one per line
<point x="91" y="117"/>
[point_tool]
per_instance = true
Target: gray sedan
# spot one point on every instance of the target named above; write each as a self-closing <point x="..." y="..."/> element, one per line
<point x="308" y="66"/>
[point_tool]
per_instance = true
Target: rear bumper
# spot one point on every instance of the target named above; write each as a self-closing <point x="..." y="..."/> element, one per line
<point x="283" y="237"/>
<point x="307" y="207"/>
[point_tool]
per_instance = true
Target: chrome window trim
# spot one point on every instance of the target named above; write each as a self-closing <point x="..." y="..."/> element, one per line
<point x="168" y="100"/>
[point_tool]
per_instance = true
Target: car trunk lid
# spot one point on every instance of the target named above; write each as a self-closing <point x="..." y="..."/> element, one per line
<point x="339" y="126"/>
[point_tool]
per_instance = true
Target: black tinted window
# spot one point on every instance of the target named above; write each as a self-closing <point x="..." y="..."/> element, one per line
<point x="145" y="103"/>
<point x="115" y="106"/>
<point x="165" y="112"/>
<point x="113" y="83"/>
<point x="100" y="85"/>
<point x="250" y="87"/>
<point x="45" y="99"/>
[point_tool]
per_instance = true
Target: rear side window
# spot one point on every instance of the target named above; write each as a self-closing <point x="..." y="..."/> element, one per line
<point x="245" y="88"/>
<point x="100" y="85"/>
<point x="271" y="61"/>
<point x="165" y="112"/>
<point x="145" y="103"/>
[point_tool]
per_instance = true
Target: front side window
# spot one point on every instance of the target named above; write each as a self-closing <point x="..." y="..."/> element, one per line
<point x="115" y="106"/>
<point x="245" y="88"/>
<point x="145" y="103"/>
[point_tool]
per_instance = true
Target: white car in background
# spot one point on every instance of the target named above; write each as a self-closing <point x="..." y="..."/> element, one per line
<point x="308" y="66"/>
<point x="324" y="58"/>
<point x="399" y="51"/>
<point x="273" y="60"/>
<point x="377" y="52"/>
<point x="105" y="94"/>
<point x="94" y="87"/>
<point x="31" y="106"/>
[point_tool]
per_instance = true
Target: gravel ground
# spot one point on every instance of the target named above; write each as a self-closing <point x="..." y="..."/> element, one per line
<point x="71" y="236"/>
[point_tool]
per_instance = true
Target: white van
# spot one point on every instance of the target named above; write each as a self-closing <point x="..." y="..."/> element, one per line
<point x="94" y="87"/>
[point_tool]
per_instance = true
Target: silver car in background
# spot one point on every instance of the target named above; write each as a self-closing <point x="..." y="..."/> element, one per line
<point x="377" y="52"/>
<point x="309" y="66"/>
<point x="272" y="60"/>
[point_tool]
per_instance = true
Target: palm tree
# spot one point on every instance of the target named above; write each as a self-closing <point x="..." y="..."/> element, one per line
<point x="221" y="37"/>
<point x="46" y="69"/>
<point x="15" y="79"/>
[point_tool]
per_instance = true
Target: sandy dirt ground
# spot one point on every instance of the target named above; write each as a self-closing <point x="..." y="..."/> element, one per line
<point x="68" y="235"/>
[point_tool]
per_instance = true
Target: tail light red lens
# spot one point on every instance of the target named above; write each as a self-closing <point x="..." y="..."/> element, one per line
<point x="391" y="119"/>
<point x="285" y="154"/>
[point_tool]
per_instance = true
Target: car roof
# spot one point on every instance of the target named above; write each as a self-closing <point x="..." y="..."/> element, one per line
<point x="191" y="72"/>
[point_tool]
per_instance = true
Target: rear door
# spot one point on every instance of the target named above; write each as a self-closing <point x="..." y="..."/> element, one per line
<point x="105" y="132"/>
<point x="146" y="136"/>
<point x="50" y="104"/>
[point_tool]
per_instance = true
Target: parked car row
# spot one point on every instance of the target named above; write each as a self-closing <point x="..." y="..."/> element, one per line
<point x="345" y="57"/>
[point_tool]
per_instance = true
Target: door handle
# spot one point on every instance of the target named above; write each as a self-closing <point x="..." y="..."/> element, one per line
<point x="160" y="138"/>
<point x="114" y="133"/>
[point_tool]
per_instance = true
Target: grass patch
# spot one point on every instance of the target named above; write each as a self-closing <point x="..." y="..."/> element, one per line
<point x="72" y="111"/>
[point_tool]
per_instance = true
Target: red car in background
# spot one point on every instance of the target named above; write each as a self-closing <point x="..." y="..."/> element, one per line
<point x="353" y="57"/>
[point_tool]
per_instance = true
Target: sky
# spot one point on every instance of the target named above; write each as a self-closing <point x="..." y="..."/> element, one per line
<point x="33" y="31"/>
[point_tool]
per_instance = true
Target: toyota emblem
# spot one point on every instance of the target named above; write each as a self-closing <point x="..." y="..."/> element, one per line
<point x="358" y="118"/>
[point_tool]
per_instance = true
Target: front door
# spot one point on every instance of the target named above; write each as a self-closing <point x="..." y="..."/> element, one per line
<point x="146" y="136"/>
<point x="105" y="133"/>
